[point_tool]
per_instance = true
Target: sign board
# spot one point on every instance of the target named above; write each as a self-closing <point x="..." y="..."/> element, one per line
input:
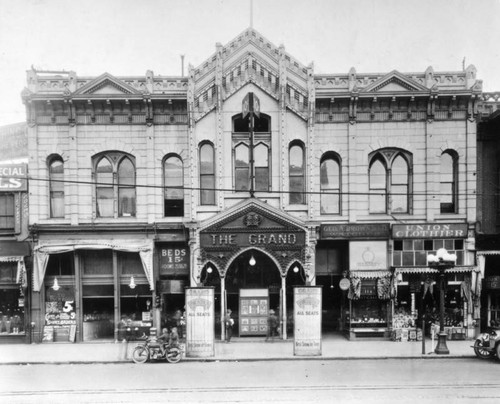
<point x="254" y="310"/>
<point x="13" y="177"/>
<point x="492" y="282"/>
<point x="174" y="261"/>
<point x="344" y="284"/>
<point x="429" y="230"/>
<point x="200" y="332"/>
<point x="354" y="231"/>
<point x="367" y="255"/>
<point x="307" y="320"/>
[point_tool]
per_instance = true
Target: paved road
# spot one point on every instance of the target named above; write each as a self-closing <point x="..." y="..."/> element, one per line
<point x="299" y="381"/>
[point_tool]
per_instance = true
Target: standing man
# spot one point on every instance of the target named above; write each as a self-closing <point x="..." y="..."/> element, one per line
<point x="272" y="325"/>
<point x="228" y="322"/>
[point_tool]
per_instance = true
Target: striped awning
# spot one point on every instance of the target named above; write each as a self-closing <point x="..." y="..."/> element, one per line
<point x="427" y="270"/>
<point x="369" y="274"/>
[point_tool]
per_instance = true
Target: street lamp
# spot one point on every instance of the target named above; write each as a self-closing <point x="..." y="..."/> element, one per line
<point x="441" y="261"/>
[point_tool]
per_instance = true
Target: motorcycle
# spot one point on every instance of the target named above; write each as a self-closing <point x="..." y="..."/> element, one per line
<point x="150" y="349"/>
<point x="487" y="344"/>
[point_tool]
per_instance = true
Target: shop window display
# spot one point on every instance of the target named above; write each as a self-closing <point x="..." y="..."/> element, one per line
<point x="11" y="301"/>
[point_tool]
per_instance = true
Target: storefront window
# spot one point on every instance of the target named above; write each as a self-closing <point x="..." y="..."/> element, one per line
<point x="11" y="301"/>
<point x="414" y="252"/>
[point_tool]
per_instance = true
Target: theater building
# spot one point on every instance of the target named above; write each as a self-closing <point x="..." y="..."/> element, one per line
<point x="252" y="174"/>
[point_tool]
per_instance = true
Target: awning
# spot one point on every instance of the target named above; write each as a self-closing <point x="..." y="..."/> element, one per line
<point x="21" y="276"/>
<point x="41" y="255"/>
<point x="369" y="274"/>
<point x="427" y="270"/>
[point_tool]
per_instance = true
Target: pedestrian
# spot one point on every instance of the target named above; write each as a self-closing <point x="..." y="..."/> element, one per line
<point x="228" y="322"/>
<point x="124" y="336"/>
<point x="272" y="325"/>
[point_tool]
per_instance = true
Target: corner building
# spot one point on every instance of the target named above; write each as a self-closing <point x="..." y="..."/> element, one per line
<point x="161" y="182"/>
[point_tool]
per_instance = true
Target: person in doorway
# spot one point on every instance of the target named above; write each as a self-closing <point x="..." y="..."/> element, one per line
<point x="272" y="325"/>
<point x="228" y="322"/>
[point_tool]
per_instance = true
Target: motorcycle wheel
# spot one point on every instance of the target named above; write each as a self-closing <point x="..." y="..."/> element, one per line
<point x="480" y="351"/>
<point x="498" y="351"/>
<point x="174" y="355"/>
<point x="140" y="354"/>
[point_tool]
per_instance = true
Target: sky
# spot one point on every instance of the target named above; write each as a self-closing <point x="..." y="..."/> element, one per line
<point x="129" y="37"/>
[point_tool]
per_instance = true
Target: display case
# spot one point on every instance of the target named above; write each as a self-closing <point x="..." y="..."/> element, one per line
<point x="367" y="318"/>
<point x="254" y="310"/>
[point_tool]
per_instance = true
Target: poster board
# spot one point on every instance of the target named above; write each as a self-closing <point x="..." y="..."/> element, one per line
<point x="307" y="303"/>
<point x="200" y="332"/>
<point x="254" y="310"/>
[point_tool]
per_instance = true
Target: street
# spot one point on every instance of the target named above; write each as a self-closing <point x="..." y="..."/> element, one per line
<point x="291" y="381"/>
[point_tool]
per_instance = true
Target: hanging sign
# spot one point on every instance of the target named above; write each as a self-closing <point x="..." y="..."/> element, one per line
<point x="13" y="177"/>
<point x="174" y="260"/>
<point x="367" y="255"/>
<point x="200" y="333"/>
<point x="344" y="284"/>
<point x="307" y="320"/>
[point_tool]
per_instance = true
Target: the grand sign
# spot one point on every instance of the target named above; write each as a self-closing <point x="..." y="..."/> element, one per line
<point x="246" y="239"/>
<point x="429" y="230"/>
<point x="354" y="231"/>
<point x="13" y="177"/>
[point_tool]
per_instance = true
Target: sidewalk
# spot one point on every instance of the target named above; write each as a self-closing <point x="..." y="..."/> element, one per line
<point x="240" y="349"/>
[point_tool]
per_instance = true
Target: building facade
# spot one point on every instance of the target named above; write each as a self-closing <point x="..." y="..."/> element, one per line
<point x="252" y="174"/>
<point x="15" y="251"/>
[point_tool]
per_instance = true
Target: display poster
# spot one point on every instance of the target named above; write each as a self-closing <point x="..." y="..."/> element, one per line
<point x="367" y="255"/>
<point x="60" y="306"/>
<point x="254" y="311"/>
<point x="307" y="320"/>
<point x="200" y="332"/>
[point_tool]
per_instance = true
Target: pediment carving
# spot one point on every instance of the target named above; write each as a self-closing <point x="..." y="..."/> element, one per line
<point x="395" y="82"/>
<point x="106" y="84"/>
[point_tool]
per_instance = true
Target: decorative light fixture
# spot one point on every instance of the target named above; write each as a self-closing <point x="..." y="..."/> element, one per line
<point x="441" y="261"/>
<point x="209" y="270"/>
<point x="252" y="261"/>
<point x="56" y="286"/>
<point x="132" y="283"/>
<point x="296" y="269"/>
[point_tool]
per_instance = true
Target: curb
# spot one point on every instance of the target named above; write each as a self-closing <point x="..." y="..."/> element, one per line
<point x="275" y="359"/>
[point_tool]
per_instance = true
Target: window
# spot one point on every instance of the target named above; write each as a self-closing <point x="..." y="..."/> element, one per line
<point x="207" y="174"/>
<point x="330" y="184"/>
<point x="7" y="213"/>
<point x="261" y="141"/>
<point x="115" y="185"/>
<point x="389" y="182"/>
<point x="297" y="174"/>
<point x="173" y="175"/>
<point x="448" y="182"/>
<point x="56" y="185"/>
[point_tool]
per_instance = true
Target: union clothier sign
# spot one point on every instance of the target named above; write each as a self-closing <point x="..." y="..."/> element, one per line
<point x="429" y="230"/>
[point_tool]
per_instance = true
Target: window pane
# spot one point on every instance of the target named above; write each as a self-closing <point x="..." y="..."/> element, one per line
<point x="126" y="202"/>
<point x="262" y="179"/>
<point x="377" y="176"/>
<point x="399" y="171"/>
<point x="242" y="179"/>
<point x="104" y="172"/>
<point x="329" y="174"/>
<point x="208" y="190"/>
<point x="296" y="190"/>
<point x="174" y="178"/>
<point x="97" y="262"/>
<point x="377" y="202"/>
<point x="446" y="193"/>
<point x="261" y="156"/>
<point x="207" y="159"/>
<point x="56" y="173"/>
<point x="330" y="203"/>
<point x="446" y="169"/>
<point x="399" y="197"/>
<point x="296" y="160"/>
<point x="105" y="202"/>
<point x="6" y="211"/>
<point x="126" y="173"/>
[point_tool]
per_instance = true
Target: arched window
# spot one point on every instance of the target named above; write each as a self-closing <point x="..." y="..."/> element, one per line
<point x="297" y="174"/>
<point x="173" y="177"/>
<point x="261" y="141"/>
<point x="207" y="174"/>
<point x="378" y="187"/>
<point x="448" y="182"/>
<point x="330" y="178"/>
<point x="7" y="212"/>
<point x="115" y="185"/>
<point x="390" y="182"/>
<point x="56" y="186"/>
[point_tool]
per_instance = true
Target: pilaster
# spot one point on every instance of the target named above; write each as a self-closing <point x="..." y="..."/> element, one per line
<point x="72" y="204"/>
<point x="151" y="164"/>
<point x="219" y="115"/>
<point x="282" y="128"/>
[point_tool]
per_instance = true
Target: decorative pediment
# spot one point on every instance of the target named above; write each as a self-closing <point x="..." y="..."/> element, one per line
<point x="395" y="82"/>
<point x="252" y="215"/>
<point x="106" y="84"/>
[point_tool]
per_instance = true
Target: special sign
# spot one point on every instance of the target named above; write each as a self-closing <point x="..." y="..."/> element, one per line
<point x="13" y="177"/>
